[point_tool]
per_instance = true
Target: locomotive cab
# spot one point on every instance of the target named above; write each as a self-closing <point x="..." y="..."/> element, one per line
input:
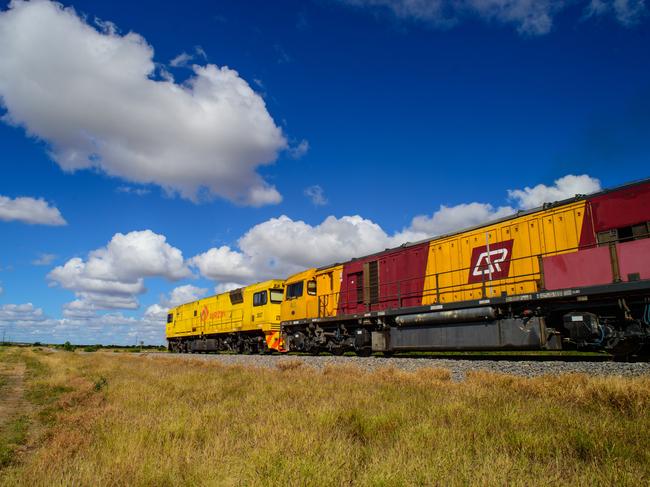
<point x="300" y="296"/>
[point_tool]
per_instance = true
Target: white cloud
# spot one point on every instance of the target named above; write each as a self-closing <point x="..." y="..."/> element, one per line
<point x="103" y="300"/>
<point x="298" y="151"/>
<point x="564" y="187"/>
<point x="93" y="97"/>
<point x="133" y="190"/>
<point x="281" y="246"/>
<point x="184" y="294"/>
<point x="223" y="263"/>
<point x="156" y="312"/>
<point x="80" y="325"/>
<point x="627" y="12"/>
<point x="29" y="210"/>
<point x="79" y="309"/>
<point x="181" y="60"/>
<point x="529" y="17"/>
<point x="451" y="218"/>
<point x="44" y="259"/>
<point x="179" y="295"/>
<point x="112" y="276"/>
<point x="316" y="195"/>
<point x="11" y="313"/>
<point x="224" y="287"/>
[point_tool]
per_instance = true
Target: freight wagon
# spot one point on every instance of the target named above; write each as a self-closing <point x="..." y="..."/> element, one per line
<point x="574" y="272"/>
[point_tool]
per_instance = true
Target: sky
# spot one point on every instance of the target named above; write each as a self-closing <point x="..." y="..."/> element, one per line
<point x="156" y="152"/>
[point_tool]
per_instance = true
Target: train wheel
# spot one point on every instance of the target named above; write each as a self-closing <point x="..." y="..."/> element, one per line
<point x="334" y="348"/>
<point x="364" y="352"/>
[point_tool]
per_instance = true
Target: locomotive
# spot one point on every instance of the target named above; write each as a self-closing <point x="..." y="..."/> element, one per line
<point x="573" y="273"/>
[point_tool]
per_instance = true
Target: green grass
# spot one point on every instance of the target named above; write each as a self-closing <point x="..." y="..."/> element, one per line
<point x="12" y="436"/>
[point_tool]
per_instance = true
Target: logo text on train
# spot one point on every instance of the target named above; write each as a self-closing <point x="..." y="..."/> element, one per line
<point x="492" y="264"/>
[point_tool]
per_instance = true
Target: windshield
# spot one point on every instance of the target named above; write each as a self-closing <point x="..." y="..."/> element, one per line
<point x="276" y="295"/>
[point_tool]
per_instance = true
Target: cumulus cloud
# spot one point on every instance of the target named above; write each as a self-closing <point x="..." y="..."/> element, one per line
<point x="27" y="323"/>
<point x="93" y="96"/>
<point x="184" y="294"/>
<point x="223" y="263"/>
<point x="12" y="313"/>
<point x="562" y="188"/>
<point x="156" y="312"/>
<point x="178" y="295"/>
<point x="44" y="259"/>
<point x="224" y="287"/>
<point x="281" y="246"/>
<point x="29" y="210"/>
<point x="451" y="218"/>
<point x="316" y="195"/>
<point x="112" y="276"/>
<point x="529" y="17"/>
<point x="79" y="309"/>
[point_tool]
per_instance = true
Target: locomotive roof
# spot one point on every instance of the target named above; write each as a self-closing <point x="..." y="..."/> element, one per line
<point x="517" y="214"/>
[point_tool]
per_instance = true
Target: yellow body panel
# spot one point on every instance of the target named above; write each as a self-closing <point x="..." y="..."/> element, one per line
<point x="556" y="230"/>
<point x="328" y="288"/>
<point x="322" y="302"/>
<point x="303" y="306"/>
<point x="218" y="314"/>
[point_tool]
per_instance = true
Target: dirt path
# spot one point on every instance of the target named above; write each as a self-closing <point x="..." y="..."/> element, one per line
<point x="12" y="391"/>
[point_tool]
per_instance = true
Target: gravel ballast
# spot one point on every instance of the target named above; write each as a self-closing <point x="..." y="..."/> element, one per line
<point x="458" y="367"/>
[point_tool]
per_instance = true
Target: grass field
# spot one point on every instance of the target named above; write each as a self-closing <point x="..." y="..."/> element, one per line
<point x="123" y="419"/>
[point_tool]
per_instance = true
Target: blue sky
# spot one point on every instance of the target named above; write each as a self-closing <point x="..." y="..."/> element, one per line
<point x="154" y="175"/>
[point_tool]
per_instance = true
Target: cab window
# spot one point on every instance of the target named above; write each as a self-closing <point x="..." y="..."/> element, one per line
<point x="259" y="299"/>
<point x="311" y="288"/>
<point x="276" y="295"/>
<point x="294" y="290"/>
<point x="170" y="317"/>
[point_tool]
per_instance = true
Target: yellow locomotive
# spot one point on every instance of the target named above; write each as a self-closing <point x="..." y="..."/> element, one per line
<point x="244" y="320"/>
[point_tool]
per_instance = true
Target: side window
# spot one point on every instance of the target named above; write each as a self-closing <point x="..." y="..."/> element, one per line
<point x="276" y="295"/>
<point x="295" y="290"/>
<point x="236" y="296"/>
<point x="311" y="288"/>
<point x="170" y="317"/>
<point x="259" y="299"/>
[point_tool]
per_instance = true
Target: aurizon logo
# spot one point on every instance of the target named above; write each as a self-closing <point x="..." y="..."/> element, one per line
<point x="204" y="313"/>
<point x="490" y="265"/>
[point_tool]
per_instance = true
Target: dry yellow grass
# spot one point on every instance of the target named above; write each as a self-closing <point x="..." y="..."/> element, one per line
<point x="115" y="419"/>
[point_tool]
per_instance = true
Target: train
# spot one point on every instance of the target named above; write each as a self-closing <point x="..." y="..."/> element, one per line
<point x="569" y="274"/>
